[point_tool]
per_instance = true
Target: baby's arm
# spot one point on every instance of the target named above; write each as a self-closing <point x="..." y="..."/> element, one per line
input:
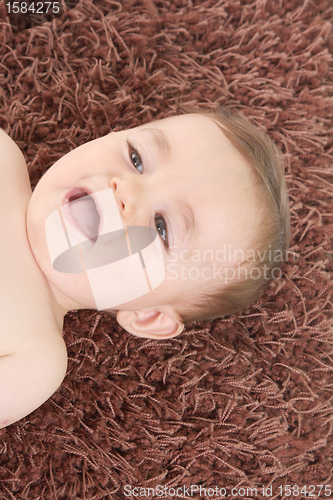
<point x="30" y="376"/>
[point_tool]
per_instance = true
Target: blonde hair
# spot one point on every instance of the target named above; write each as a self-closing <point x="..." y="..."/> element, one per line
<point x="272" y="236"/>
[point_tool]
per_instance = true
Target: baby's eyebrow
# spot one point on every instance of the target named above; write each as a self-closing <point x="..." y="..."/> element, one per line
<point x="189" y="222"/>
<point x="159" y="139"/>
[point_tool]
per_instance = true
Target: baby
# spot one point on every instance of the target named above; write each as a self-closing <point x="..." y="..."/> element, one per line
<point x="209" y="186"/>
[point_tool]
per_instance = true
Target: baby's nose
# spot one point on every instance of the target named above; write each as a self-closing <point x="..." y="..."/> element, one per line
<point x="130" y="199"/>
<point x="115" y="186"/>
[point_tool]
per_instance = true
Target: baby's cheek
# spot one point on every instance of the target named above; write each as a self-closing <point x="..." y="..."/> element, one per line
<point x="191" y="274"/>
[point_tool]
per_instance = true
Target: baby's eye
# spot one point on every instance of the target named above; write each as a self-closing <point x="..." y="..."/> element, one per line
<point x="136" y="160"/>
<point x="162" y="229"/>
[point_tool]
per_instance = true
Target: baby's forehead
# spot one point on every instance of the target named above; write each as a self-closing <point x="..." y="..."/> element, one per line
<point x="184" y="121"/>
<point x="197" y="134"/>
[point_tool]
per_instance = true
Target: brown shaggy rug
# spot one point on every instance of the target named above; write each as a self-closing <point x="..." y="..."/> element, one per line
<point x="245" y="402"/>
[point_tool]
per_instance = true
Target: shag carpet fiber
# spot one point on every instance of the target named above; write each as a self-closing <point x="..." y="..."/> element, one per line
<point x="240" y="402"/>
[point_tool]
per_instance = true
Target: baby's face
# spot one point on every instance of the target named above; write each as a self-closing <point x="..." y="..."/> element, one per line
<point x="179" y="175"/>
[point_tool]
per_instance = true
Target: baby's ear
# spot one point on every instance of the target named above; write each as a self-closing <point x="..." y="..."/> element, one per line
<point x="152" y="324"/>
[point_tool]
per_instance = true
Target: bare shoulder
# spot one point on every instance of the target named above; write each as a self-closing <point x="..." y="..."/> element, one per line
<point x="9" y="149"/>
<point x="14" y="175"/>
<point x="30" y="375"/>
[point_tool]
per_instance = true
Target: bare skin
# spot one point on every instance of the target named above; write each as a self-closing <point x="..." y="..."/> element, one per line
<point x="199" y="161"/>
<point x="33" y="357"/>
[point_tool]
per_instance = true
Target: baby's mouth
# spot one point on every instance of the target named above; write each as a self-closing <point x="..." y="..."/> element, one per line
<point x="82" y="209"/>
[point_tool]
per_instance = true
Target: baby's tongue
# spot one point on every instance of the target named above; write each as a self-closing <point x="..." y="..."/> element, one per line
<point x="85" y="215"/>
